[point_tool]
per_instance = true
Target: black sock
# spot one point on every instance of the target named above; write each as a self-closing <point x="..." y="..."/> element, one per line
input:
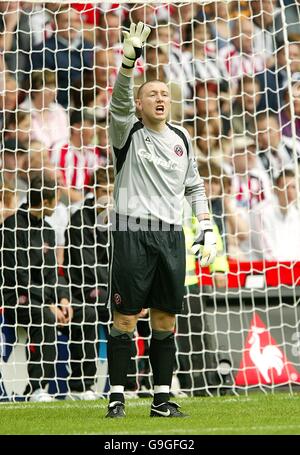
<point x="119" y="350"/>
<point x="162" y="358"/>
<point x="116" y="397"/>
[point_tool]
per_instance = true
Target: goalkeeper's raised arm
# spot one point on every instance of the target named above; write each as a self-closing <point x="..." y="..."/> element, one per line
<point x="122" y="107"/>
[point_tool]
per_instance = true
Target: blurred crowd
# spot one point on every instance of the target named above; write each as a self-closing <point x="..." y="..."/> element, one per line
<point x="233" y="70"/>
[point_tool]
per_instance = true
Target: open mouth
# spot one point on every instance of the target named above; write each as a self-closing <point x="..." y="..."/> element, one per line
<point x="160" y="109"/>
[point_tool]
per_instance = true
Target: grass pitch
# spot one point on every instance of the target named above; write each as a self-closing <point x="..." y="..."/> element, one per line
<point x="255" y="414"/>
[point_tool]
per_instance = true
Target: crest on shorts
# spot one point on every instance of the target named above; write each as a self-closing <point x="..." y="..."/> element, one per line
<point x="117" y="299"/>
<point x="178" y="150"/>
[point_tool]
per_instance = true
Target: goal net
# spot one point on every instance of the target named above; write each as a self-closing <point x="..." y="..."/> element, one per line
<point x="233" y="72"/>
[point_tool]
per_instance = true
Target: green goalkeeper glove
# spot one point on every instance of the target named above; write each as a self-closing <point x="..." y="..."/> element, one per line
<point x="205" y="244"/>
<point x="133" y="43"/>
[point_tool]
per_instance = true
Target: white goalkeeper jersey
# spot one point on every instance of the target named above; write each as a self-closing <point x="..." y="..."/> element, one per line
<point x="154" y="171"/>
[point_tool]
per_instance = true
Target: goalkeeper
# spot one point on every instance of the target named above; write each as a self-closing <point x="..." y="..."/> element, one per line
<point x="154" y="170"/>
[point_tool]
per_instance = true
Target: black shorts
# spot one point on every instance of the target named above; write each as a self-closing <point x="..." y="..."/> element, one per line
<point x="147" y="270"/>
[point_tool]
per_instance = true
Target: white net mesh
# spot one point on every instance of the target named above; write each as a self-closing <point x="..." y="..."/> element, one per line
<point x="233" y="70"/>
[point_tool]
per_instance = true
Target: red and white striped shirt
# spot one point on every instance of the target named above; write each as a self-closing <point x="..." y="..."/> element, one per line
<point x="77" y="165"/>
<point x="237" y="64"/>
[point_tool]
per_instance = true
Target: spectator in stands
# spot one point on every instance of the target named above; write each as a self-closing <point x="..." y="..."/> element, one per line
<point x="274" y="149"/>
<point x="291" y="11"/>
<point x="207" y="102"/>
<point x="212" y="106"/>
<point x="93" y="92"/>
<point x="218" y="186"/>
<point x="49" y="119"/>
<point x="59" y="221"/>
<point x="84" y="92"/>
<point x="275" y="223"/>
<point x="90" y="15"/>
<point x="208" y="142"/>
<point x="189" y="125"/>
<point x="108" y="51"/>
<point x="32" y="155"/>
<point x="65" y="52"/>
<point x="239" y="58"/>
<point x="94" y="100"/>
<point x="165" y="35"/>
<point x="18" y="125"/>
<point x="185" y="12"/>
<point x="108" y="30"/>
<point x="14" y="162"/>
<point x="90" y="12"/>
<point x="2" y="72"/>
<point x="244" y="109"/>
<point x="164" y="32"/>
<point x="15" y="37"/>
<point x="8" y="97"/>
<point x="211" y="172"/>
<point x="78" y="159"/>
<point x="8" y="200"/>
<point x="41" y="21"/>
<point x="199" y="57"/>
<point x="102" y="140"/>
<point x="250" y="185"/>
<point x="33" y="160"/>
<point x="141" y="13"/>
<point x="272" y="80"/>
<point x="35" y="298"/>
<point x="215" y="182"/>
<point x="286" y="111"/>
<point x="157" y="61"/>
<point x="106" y="69"/>
<point x="38" y="159"/>
<point x="87" y="243"/>
<point x="219" y="16"/>
<point x="264" y="14"/>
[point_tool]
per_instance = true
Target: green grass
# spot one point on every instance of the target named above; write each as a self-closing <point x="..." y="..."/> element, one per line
<point x="255" y="414"/>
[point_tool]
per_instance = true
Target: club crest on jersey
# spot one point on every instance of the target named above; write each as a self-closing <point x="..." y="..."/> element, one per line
<point x="178" y="150"/>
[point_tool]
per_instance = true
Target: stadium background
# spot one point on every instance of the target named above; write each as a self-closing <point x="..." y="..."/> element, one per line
<point x="233" y="70"/>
